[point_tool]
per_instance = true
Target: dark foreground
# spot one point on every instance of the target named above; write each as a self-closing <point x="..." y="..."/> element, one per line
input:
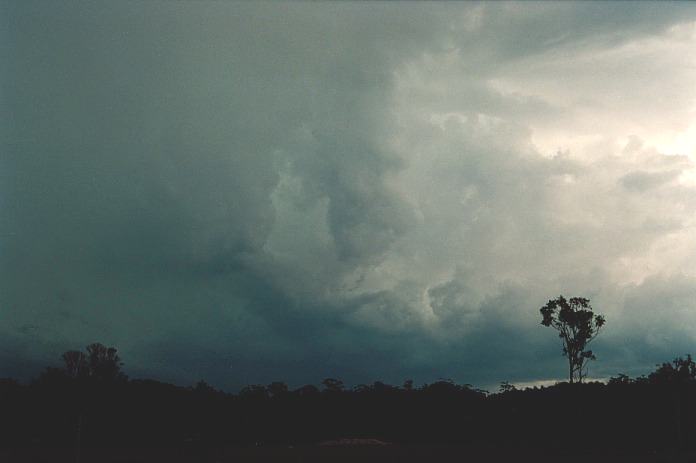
<point x="339" y="454"/>
<point x="647" y="419"/>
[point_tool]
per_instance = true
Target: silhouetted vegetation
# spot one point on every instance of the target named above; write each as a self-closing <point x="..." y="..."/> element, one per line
<point x="577" y="326"/>
<point x="90" y="404"/>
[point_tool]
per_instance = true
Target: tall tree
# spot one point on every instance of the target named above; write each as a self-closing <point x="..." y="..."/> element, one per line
<point x="75" y="363"/>
<point x="104" y="362"/>
<point x="577" y="326"/>
<point x="99" y="362"/>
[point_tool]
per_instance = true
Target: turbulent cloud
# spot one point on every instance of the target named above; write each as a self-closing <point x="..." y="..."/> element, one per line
<point x="250" y="192"/>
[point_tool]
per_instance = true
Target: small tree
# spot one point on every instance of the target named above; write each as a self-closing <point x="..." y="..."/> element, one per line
<point x="577" y="326"/>
<point x="277" y="389"/>
<point x="408" y="385"/>
<point x="506" y="387"/>
<point x="332" y="385"/>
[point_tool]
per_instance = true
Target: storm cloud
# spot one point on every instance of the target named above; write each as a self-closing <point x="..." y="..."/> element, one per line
<point x="248" y="192"/>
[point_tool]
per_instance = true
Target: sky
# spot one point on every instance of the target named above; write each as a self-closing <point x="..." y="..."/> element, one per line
<point x="251" y="192"/>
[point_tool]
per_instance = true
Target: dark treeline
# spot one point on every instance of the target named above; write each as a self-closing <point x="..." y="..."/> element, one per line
<point x="90" y="403"/>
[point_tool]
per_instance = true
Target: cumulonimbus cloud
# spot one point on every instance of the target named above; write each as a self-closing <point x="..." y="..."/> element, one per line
<point x="248" y="192"/>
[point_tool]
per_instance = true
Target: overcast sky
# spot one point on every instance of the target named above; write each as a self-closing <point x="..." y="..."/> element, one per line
<point x="249" y="192"/>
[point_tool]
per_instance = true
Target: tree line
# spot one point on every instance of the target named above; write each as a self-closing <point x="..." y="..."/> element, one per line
<point x="89" y="402"/>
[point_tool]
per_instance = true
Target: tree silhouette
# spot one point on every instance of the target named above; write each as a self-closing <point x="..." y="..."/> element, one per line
<point x="678" y="371"/>
<point x="277" y="389"/>
<point x="103" y="362"/>
<point x="76" y="365"/>
<point x="647" y="415"/>
<point x="308" y="390"/>
<point x="408" y="385"/>
<point x="577" y="326"/>
<point x="332" y="385"/>
<point x="506" y="386"/>
<point x="97" y="363"/>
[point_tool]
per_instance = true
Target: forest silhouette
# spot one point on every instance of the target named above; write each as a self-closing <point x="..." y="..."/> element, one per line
<point x="89" y="406"/>
<point x="95" y="406"/>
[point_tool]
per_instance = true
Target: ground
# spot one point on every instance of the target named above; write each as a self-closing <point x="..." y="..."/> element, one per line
<point x="333" y="454"/>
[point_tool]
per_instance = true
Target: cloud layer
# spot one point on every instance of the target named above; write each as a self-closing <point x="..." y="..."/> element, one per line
<point x="250" y="192"/>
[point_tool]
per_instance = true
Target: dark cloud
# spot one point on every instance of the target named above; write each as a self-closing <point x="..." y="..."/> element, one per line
<point x="252" y="192"/>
